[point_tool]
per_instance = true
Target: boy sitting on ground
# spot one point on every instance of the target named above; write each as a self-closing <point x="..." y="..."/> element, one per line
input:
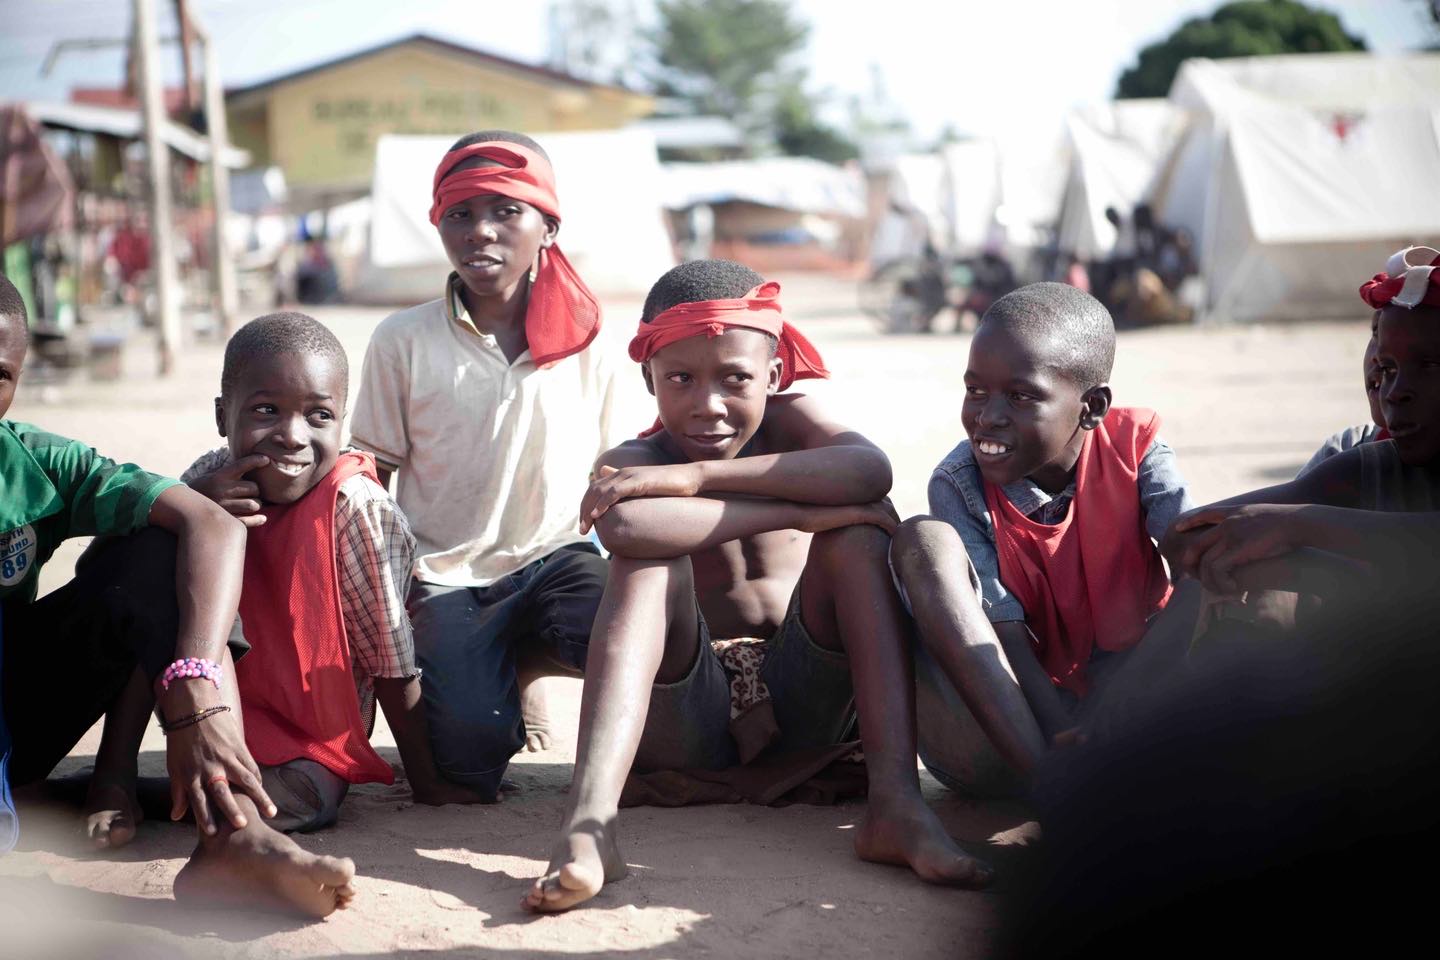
<point x="142" y="625"/>
<point x="708" y="519"/>
<point x="1376" y="503"/>
<point x="1039" y="570"/>
<point x="327" y="564"/>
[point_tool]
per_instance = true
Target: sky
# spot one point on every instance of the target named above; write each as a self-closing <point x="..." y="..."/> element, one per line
<point x="982" y="68"/>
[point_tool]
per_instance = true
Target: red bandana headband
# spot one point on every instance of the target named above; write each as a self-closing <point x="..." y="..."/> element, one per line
<point x="1411" y="279"/>
<point x="562" y="315"/>
<point x="757" y="310"/>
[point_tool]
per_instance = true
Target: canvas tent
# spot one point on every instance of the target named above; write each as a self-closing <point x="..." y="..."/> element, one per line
<point x="1115" y="150"/>
<point x="972" y="195"/>
<point x="609" y="187"/>
<point x="1299" y="175"/>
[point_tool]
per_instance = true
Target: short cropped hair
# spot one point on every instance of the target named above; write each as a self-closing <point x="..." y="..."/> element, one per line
<point x="279" y="333"/>
<point x="699" y="280"/>
<point x="504" y="136"/>
<point x="12" y="306"/>
<point x="1073" y="324"/>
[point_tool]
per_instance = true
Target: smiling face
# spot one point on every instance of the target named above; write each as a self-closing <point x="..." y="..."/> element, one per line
<point x="288" y="407"/>
<point x="712" y="391"/>
<point x="12" y="359"/>
<point x="1408" y="355"/>
<point x="492" y="241"/>
<point x="1024" y="416"/>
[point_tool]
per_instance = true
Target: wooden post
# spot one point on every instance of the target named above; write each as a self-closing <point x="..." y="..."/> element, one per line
<point x="157" y="155"/>
<point x="222" y="271"/>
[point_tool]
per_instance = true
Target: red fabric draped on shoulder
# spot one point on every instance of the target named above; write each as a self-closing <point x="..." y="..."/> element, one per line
<point x="1093" y="579"/>
<point x="562" y="316"/>
<point x="296" y="684"/>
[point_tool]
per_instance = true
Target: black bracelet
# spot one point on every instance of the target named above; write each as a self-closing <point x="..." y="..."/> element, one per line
<point x="169" y="727"/>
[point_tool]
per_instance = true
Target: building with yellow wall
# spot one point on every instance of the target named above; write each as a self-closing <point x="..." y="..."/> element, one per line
<point x="319" y="125"/>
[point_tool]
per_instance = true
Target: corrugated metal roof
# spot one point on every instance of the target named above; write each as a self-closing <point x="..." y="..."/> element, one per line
<point x="127" y="125"/>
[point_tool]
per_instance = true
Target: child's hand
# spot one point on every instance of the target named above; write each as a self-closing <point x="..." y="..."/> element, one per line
<point x="226" y="486"/>
<point x="610" y="486"/>
<point x="208" y="763"/>
<point x="1224" y="538"/>
<point x="881" y="513"/>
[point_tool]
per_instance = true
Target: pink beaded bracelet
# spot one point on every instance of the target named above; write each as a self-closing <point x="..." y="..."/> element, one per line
<point x="191" y="668"/>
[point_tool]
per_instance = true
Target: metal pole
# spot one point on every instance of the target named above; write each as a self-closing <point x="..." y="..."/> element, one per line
<point x="157" y="155"/>
<point x="222" y="270"/>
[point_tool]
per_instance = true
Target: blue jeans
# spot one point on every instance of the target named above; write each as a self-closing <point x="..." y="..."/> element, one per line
<point x="469" y="642"/>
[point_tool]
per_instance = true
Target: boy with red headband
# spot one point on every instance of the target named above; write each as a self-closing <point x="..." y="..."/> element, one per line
<point x="1377" y="503"/>
<point x="490" y="403"/>
<point x="745" y="512"/>
<point x="1039" y="571"/>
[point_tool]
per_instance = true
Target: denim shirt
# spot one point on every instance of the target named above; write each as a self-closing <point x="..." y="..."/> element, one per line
<point x="957" y="496"/>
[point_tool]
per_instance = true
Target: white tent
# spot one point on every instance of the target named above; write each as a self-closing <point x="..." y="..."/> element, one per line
<point x="612" y="227"/>
<point x="1115" y="150"/>
<point x="802" y="184"/>
<point x="1300" y="174"/>
<point x="974" y="194"/>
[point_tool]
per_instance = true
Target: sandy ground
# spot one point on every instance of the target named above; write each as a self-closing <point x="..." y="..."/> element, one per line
<point x="1243" y="408"/>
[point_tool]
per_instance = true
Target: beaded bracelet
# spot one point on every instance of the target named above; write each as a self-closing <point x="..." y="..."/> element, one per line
<point x="169" y="727"/>
<point x="191" y="668"/>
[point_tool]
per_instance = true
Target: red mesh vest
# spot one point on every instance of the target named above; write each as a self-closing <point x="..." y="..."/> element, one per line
<point x="1094" y="578"/>
<point x="296" y="684"/>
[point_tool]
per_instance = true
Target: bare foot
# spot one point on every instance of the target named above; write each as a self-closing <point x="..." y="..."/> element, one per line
<point x="912" y="836"/>
<point x="112" y="814"/>
<point x="584" y="860"/>
<point x="536" y="710"/>
<point x="260" y="868"/>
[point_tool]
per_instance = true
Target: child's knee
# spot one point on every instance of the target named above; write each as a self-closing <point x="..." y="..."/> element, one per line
<point x="921" y="542"/>
<point x="862" y="542"/>
<point x="477" y="738"/>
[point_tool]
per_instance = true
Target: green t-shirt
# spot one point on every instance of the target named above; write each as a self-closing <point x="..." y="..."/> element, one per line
<point x="52" y="489"/>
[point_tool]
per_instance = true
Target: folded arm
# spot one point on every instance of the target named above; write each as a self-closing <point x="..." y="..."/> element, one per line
<point x="821" y="463"/>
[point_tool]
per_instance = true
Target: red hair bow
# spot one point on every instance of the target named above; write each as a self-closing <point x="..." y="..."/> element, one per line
<point x="1411" y="278"/>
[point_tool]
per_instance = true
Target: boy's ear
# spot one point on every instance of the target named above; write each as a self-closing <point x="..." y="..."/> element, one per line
<point x="219" y="416"/>
<point x="649" y="380"/>
<point x="552" y="230"/>
<point x="1097" y="403"/>
<point x="776" y="370"/>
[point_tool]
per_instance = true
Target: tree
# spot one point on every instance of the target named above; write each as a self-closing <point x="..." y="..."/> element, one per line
<point x="595" y="39"/>
<point x="800" y="133"/>
<point x="735" y="58"/>
<point x="1250" y="28"/>
<point x="720" y="55"/>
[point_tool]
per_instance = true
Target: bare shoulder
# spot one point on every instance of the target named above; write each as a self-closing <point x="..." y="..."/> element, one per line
<point x="794" y="421"/>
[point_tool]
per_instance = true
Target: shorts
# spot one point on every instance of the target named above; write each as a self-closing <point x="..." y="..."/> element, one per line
<point x="307" y="794"/>
<point x="688" y="723"/>
<point x="118" y="613"/>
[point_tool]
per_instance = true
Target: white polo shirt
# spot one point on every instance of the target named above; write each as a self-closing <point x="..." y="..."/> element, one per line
<point x="492" y="457"/>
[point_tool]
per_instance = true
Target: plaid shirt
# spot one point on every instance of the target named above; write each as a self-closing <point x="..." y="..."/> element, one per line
<point x="375" y="552"/>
